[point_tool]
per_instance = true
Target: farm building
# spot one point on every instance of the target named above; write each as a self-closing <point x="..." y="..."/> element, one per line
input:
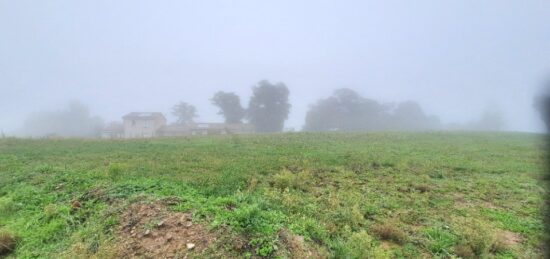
<point x="143" y="124"/>
<point x="206" y="129"/>
<point x="113" y="131"/>
<point x="153" y="124"/>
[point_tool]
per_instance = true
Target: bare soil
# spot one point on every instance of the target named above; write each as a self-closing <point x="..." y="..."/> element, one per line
<point x="150" y="230"/>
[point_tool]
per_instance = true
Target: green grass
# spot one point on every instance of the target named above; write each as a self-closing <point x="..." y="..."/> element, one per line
<point x="352" y="195"/>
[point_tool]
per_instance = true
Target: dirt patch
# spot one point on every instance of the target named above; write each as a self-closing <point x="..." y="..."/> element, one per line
<point x="509" y="238"/>
<point x="505" y="240"/>
<point x="298" y="248"/>
<point x="149" y="230"/>
<point x="460" y="202"/>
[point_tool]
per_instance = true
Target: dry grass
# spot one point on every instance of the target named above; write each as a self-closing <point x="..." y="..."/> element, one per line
<point x="8" y="241"/>
<point x="464" y="251"/>
<point x="388" y="231"/>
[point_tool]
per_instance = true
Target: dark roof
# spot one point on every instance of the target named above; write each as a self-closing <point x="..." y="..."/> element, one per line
<point x="143" y="115"/>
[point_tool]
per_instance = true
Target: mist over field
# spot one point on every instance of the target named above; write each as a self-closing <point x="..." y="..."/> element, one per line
<point x="274" y="129"/>
<point x="456" y="60"/>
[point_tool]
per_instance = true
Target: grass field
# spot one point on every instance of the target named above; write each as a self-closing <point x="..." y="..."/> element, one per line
<point x="371" y="195"/>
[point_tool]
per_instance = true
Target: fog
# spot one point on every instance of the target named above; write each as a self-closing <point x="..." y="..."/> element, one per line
<point x="459" y="60"/>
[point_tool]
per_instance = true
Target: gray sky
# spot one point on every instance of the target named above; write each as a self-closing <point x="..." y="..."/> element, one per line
<point x="454" y="57"/>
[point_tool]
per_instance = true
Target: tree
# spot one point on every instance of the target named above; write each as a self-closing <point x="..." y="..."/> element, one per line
<point x="491" y="120"/>
<point x="268" y="107"/>
<point x="230" y="106"/>
<point x="74" y="121"/>
<point x="345" y="110"/>
<point x="409" y="115"/>
<point x="542" y="105"/>
<point x="184" y="112"/>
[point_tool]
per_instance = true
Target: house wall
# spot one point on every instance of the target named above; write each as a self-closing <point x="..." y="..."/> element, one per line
<point x="142" y="128"/>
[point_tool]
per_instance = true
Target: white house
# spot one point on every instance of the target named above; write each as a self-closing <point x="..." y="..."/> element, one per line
<point x="143" y="124"/>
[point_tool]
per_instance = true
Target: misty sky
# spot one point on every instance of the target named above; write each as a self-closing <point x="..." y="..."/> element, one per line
<point x="455" y="58"/>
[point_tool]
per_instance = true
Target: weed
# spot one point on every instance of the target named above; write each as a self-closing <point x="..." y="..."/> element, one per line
<point x="440" y="240"/>
<point x="115" y="170"/>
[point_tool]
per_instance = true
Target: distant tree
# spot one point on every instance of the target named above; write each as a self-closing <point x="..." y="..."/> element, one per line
<point x="184" y="112"/>
<point x="230" y="106"/>
<point x="346" y="110"/>
<point x="268" y="107"/>
<point x="409" y="115"/>
<point x="491" y="120"/>
<point x="74" y="121"/>
<point x="542" y="105"/>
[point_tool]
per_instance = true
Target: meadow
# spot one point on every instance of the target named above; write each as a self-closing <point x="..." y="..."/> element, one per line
<point x="292" y="195"/>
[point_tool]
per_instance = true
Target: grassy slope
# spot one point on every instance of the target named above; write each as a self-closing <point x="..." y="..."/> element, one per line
<point x="398" y="194"/>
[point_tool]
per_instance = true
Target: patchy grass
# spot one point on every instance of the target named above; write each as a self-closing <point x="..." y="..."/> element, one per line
<point x="371" y="195"/>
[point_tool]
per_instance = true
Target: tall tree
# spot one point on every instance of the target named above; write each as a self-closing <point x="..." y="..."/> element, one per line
<point x="345" y="110"/>
<point x="491" y="120"/>
<point x="184" y="112"/>
<point x="230" y="106"/>
<point x="74" y="121"/>
<point x="542" y="104"/>
<point x="409" y="115"/>
<point x="268" y="107"/>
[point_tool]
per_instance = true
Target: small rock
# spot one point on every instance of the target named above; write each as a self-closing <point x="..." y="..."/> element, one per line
<point x="147" y="232"/>
<point x="188" y="224"/>
<point x="160" y="223"/>
<point x="190" y="246"/>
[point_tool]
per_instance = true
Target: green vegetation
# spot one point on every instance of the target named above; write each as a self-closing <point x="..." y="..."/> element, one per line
<point x="383" y="195"/>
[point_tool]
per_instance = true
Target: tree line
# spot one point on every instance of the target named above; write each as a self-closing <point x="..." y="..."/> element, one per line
<point x="268" y="109"/>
